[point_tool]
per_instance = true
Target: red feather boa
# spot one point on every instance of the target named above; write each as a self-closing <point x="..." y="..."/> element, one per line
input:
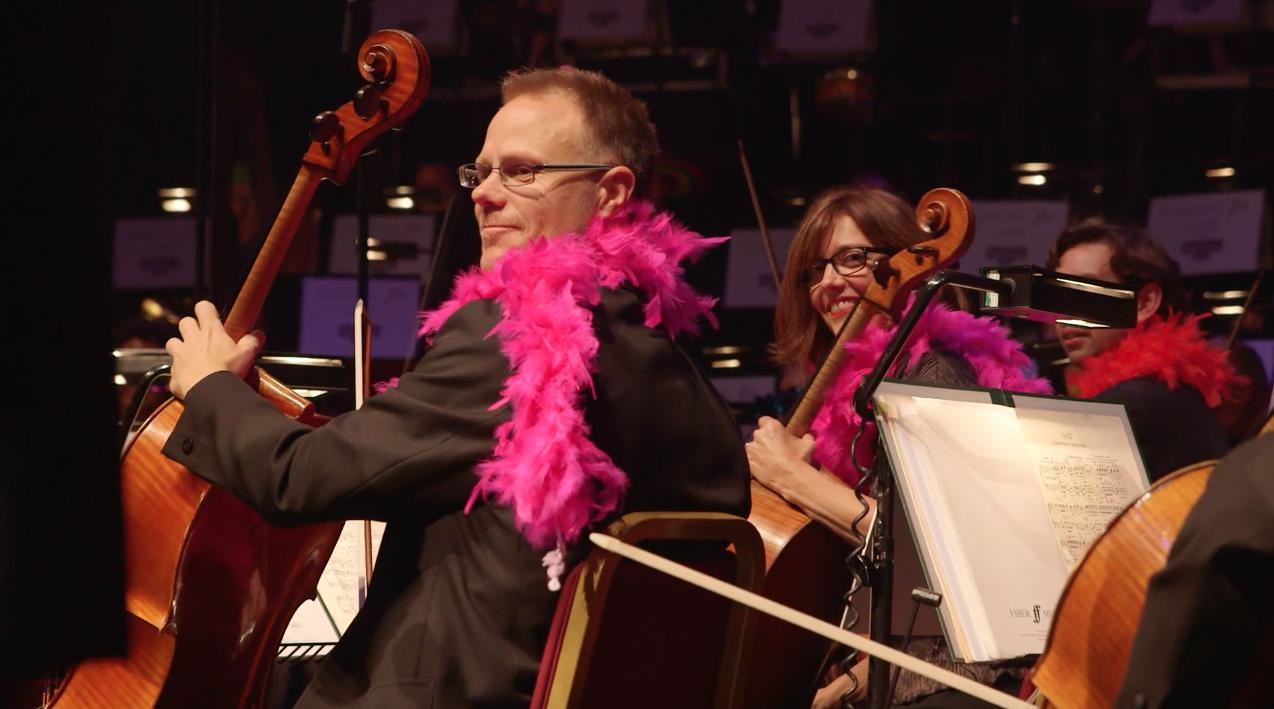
<point x="1170" y="349"/>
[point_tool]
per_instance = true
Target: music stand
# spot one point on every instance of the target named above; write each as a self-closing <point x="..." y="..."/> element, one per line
<point x="1020" y="291"/>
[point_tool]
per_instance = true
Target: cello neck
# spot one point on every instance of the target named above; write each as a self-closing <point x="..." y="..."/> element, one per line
<point x="807" y="408"/>
<point x="247" y="306"/>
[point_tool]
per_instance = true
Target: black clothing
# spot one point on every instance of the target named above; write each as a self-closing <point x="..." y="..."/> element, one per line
<point x="1173" y="427"/>
<point x="458" y="610"/>
<point x="1208" y="623"/>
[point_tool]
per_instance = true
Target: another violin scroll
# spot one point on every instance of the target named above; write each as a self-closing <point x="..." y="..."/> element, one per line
<point x="397" y="72"/>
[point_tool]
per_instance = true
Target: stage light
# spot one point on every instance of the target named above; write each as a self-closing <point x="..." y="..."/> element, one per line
<point x="1034" y="167"/>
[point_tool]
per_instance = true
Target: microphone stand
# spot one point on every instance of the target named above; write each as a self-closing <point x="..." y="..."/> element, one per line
<point x="881" y="561"/>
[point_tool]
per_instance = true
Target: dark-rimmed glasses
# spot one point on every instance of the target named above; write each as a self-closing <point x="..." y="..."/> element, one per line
<point x="846" y="262"/>
<point x="474" y="173"/>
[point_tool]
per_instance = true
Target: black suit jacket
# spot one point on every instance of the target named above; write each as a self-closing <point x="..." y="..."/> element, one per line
<point x="458" y="609"/>
<point x="1173" y="427"/>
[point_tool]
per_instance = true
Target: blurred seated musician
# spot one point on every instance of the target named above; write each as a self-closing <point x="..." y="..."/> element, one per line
<point x="551" y="400"/>
<point x="829" y="267"/>
<point x="1163" y="370"/>
<point x="1207" y="631"/>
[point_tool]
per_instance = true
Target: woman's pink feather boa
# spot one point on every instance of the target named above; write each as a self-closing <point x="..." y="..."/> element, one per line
<point x="997" y="360"/>
<point x="544" y="466"/>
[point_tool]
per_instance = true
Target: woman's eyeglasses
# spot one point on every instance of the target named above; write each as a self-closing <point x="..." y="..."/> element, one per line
<point x="846" y="262"/>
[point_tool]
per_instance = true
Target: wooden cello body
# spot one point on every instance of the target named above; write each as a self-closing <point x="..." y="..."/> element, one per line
<point x="209" y="585"/>
<point x="208" y="607"/>
<point x="805" y="569"/>
<point x="806" y="563"/>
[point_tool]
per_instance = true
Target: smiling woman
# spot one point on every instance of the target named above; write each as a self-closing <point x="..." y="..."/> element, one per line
<point x="838" y="245"/>
<point x="875" y="220"/>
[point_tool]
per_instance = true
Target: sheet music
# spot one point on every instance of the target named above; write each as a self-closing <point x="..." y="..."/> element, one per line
<point x="966" y="479"/>
<point x="1086" y="467"/>
<point x="1003" y="500"/>
<point x="341" y="589"/>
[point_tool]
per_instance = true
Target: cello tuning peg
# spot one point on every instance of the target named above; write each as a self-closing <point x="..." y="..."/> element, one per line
<point x="368" y="102"/>
<point x="882" y="271"/>
<point x="324" y="127"/>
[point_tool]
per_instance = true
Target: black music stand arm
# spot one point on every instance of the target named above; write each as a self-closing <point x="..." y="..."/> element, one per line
<point x="882" y="542"/>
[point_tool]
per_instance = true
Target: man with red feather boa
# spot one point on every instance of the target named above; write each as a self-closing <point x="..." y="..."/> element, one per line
<point x="1164" y="372"/>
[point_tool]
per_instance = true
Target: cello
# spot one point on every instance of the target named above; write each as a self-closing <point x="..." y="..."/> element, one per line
<point x="209" y="585"/>
<point x="805" y="562"/>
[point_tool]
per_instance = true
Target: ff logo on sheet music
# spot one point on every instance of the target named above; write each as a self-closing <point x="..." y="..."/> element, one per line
<point x="1036" y="613"/>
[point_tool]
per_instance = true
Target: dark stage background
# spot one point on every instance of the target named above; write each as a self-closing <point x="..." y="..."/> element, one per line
<point x="113" y="102"/>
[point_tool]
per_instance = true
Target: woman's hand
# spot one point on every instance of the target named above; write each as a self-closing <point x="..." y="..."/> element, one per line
<point x="781" y="462"/>
<point x="829" y="697"/>
<point x="776" y="457"/>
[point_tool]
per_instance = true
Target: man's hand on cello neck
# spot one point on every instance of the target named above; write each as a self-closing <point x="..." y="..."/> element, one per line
<point x="205" y="347"/>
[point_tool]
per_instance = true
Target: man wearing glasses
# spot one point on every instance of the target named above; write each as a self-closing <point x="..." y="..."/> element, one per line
<point x="551" y="400"/>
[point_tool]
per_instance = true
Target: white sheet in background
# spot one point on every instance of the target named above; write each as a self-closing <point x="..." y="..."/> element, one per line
<point x="749" y="282"/>
<point x="1014" y="232"/>
<point x="609" y="20"/>
<point x="1193" y="12"/>
<point x="1217" y="232"/>
<point x="432" y="21"/>
<point x="416" y="230"/>
<point x="743" y="390"/>
<point x="824" y="26"/>
<point x="154" y="252"/>
<point x="327" y="316"/>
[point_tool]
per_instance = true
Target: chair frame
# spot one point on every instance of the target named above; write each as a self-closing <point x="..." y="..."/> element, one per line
<point x="562" y="684"/>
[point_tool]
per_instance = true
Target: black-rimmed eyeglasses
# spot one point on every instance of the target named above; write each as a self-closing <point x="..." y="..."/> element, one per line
<point x="473" y="174"/>
<point x="846" y="262"/>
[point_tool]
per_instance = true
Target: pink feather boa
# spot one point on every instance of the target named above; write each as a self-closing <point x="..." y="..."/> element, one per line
<point x="997" y="360"/>
<point x="544" y="467"/>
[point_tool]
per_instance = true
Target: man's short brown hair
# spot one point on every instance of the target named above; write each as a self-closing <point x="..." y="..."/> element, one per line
<point x="619" y="122"/>
<point x="1135" y="258"/>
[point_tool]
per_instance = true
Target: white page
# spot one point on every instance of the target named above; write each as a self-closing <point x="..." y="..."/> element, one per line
<point x="342" y="588"/>
<point x="997" y="549"/>
<point x="1088" y="466"/>
<point x="310" y="625"/>
<point x="907" y="453"/>
<point x="907" y="445"/>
